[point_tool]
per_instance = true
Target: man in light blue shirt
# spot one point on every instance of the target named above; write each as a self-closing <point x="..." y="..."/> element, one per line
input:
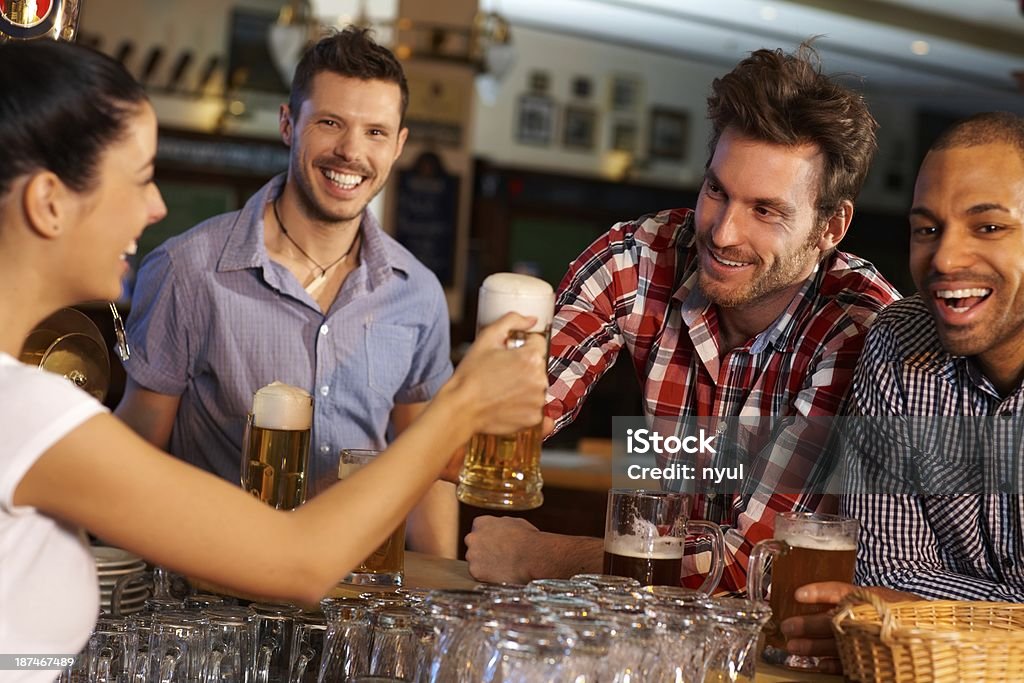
<point x="300" y="286"/>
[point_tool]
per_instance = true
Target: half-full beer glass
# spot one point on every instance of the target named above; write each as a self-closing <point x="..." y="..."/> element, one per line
<point x="645" y="535"/>
<point x="807" y="547"/>
<point x="385" y="566"/>
<point x="275" y="448"/>
<point x="503" y="472"/>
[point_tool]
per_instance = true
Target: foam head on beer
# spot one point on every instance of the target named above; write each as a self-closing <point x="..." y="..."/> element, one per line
<point x="502" y="293"/>
<point x="283" y="407"/>
<point x="811" y="542"/>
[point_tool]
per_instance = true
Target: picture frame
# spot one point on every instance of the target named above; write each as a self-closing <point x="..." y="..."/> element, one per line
<point x="540" y="82"/>
<point x="668" y="134"/>
<point x="535" y="121"/>
<point x="579" y="128"/>
<point x="581" y="87"/>
<point x="624" y="136"/>
<point x="625" y="93"/>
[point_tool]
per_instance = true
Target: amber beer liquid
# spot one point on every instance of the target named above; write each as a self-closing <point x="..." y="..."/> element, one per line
<point x="503" y="472"/>
<point x="385" y="566"/>
<point x="806" y="548"/>
<point x="275" y="449"/>
<point x="276" y="466"/>
<point x="633" y="556"/>
<point x="808" y="560"/>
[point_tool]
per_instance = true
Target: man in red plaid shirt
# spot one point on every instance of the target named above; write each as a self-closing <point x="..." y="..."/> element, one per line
<point x="741" y="308"/>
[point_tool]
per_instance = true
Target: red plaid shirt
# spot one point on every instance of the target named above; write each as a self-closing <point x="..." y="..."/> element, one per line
<point x="636" y="287"/>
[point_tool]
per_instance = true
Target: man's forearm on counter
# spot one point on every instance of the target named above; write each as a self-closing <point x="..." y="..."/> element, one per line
<point x="561" y="556"/>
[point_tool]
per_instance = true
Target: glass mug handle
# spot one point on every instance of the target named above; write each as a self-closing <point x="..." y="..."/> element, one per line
<point x="169" y="664"/>
<point x="211" y="670"/>
<point x="244" y="468"/>
<point x="306" y="655"/>
<point x="102" y="670"/>
<point x="140" y="668"/>
<point x="717" y="553"/>
<point x="117" y="595"/>
<point x="264" y="659"/>
<point x="755" y="567"/>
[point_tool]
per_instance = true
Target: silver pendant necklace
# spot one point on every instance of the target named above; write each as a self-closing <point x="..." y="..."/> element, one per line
<point x="317" y="283"/>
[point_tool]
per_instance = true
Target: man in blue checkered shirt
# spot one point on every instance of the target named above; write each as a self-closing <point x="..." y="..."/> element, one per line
<point x="941" y="378"/>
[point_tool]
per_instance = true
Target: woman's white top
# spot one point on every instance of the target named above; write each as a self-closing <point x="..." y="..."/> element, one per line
<point x="49" y="595"/>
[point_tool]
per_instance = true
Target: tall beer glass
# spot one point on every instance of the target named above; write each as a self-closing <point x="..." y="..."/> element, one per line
<point x="645" y="536"/>
<point x="807" y="547"/>
<point x="385" y="566"/>
<point x="503" y="472"/>
<point x="275" y="448"/>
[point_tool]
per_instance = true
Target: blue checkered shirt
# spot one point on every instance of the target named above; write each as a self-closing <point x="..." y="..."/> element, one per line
<point x="961" y="539"/>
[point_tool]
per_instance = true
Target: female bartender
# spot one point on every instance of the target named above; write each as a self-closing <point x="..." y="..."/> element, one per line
<point x="77" y="146"/>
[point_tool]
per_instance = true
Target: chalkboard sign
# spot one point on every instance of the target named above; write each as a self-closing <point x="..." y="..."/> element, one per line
<point x="427" y="215"/>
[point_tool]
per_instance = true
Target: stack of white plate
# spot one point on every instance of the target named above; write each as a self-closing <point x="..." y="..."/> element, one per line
<point x="113" y="565"/>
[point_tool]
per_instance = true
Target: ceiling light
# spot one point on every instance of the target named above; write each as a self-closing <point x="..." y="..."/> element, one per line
<point x="769" y="13"/>
<point x="920" y="47"/>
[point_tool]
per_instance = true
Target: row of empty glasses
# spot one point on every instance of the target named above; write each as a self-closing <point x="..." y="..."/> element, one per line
<point x="591" y="629"/>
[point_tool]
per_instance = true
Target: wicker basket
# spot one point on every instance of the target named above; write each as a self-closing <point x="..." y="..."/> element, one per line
<point x="943" y="640"/>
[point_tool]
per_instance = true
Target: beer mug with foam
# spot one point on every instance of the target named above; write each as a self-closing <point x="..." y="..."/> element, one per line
<point x="503" y="472"/>
<point x="385" y="566"/>
<point x="275" y="448"/>
<point x="645" y="536"/>
<point x="807" y="548"/>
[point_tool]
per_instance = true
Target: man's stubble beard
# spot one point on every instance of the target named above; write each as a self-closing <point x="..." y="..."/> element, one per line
<point x="316" y="213"/>
<point x="778" y="277"/>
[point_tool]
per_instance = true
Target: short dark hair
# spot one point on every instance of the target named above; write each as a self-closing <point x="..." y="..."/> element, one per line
<point x="987" y="128"/>
<point x="352" y="53"/>
<point x="785" y="99"/>
<point x="61" y="105"/>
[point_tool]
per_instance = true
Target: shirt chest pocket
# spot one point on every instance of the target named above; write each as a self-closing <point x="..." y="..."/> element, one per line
<point x="389" y="352"/>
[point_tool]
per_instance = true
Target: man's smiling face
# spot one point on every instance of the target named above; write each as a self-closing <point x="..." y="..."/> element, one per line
<point x="756" y="220"/>
<point x="967" y="248"/>
<point x="344" y="141"/>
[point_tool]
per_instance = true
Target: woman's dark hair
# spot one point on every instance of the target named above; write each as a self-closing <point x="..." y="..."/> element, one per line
<point x="351" y="53"/>
<point x="61" y="105"/>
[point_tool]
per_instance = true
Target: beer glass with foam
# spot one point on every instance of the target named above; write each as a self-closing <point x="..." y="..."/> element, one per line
<point x="275" y="448"/>
<point x="806" y="548"/>
<point x="503" y="472"/>
<point x="385" y="566"/>
<point x="645" y="535"/>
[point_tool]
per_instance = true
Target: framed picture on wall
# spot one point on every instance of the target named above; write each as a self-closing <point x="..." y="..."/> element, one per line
<point x="539" y="82"/>
<point x="581" y="87"/>
<point x="668" y="134"/>
<point x="578" y="128"/>
<point x="536" y="120"/>
<point x="624" y="136"/>
<point x="626" y="93"/>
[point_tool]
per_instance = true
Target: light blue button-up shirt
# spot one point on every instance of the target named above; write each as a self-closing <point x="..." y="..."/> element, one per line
<point x="213" y="319"/>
